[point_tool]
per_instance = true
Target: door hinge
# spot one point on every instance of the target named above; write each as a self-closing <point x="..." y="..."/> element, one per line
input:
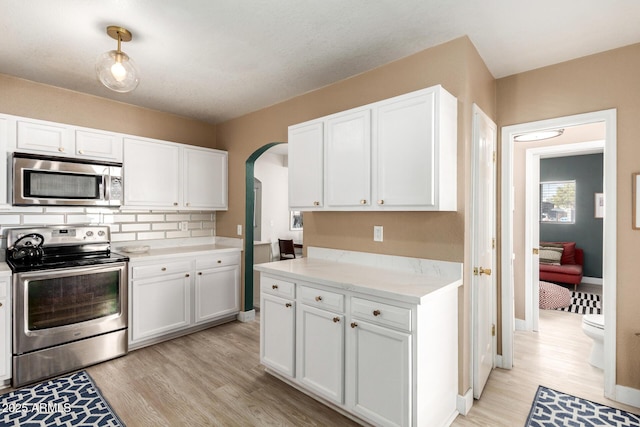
<point x="493" y="330"/>
<point x="493" y="243"/>
<point x="494" y="157"/>
<point x="536" y="251"/>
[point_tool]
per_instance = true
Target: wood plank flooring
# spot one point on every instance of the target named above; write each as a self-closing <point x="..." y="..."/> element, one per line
<point x="213" y="378"/>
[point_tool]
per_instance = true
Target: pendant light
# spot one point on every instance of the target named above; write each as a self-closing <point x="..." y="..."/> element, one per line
<point x="114" y="68"/>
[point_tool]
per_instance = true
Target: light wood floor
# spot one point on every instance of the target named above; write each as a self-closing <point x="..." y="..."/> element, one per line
<point x="213" y="378"/>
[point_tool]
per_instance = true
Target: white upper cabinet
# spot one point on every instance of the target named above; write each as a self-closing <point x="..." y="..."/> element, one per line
<point x="348" y="159"/>
<point x="306" y="142"/>
<point x="205" y="178"/>
<point x="151" y="174"/>
<point x="159" y="174"/>
<point x="397" y="154"/>
<point x="57" y="139"/>
<point x="4" y="138"/>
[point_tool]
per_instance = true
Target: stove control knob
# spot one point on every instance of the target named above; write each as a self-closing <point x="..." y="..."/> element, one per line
<point x="89" y="233"/>
<point x="100" y="233"/>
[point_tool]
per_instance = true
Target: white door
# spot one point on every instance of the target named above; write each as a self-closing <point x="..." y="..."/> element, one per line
<point x="483" y="282"/>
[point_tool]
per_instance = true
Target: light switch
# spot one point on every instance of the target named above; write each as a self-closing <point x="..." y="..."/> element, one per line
<point x="377" y="233"/>
<point x="239" y="230"/>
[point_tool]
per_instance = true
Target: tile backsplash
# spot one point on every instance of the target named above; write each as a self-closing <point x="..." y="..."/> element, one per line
<point x="126" y="225"/>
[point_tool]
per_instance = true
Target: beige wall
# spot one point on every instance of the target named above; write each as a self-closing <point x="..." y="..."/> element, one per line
<point x="437" y="235"/>
<point x="38" y="101"/>
<point x="598" y="82"/>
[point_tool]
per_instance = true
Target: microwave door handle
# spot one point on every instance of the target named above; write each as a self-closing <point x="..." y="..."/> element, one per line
<point x="106" y="179"/>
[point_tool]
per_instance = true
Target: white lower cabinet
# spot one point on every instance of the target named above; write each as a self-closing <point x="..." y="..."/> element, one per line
<point x="384" y="361"/>
<point x="169" y="297"/>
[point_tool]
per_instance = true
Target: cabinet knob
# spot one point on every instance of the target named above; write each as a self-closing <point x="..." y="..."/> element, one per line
<point x="316" y="203"/>
<point x="363" y="201"/>
<point x="80" y="151"/>
<point x="288" y="305"/>
<point x="199" y="273"/>
<point x="318" y="298"/>
<point x="61" y="149"/>
<point x="354" y="324"/>
<point x="175" y="203"/>
<point x="219" y="261"/>
<point x="188" y="204"/>
<point x="0" y="304"/>
<point x="376" y="312"/>
<point x="187" y="275"/>
<point x="164" y="269"/>
<point x="274" y="286"/>
<point x="381" y="202"/>
<point x="336" y="319"/>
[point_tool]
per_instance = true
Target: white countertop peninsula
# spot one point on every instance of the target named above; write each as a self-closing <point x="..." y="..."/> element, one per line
<point x="400" y="278"/>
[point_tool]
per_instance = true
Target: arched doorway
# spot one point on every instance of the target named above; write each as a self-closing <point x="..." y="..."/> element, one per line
<point x="248" y="220"/>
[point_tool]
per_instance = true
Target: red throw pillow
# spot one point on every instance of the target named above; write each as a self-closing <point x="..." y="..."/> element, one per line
<point x="569" y="253"/>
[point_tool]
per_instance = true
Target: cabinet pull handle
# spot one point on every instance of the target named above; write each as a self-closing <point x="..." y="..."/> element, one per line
<point x="274" y="286"/>
<point x="336" y="319"/>
<point x="164" y="269"/>
<point x="381" y="202"/>
<point x="354" y="324"/>
<point x="363" y="201"/>
<point x="318" y="298"/>
<point x="376" y="312"/>
<point x="288" y="305"/>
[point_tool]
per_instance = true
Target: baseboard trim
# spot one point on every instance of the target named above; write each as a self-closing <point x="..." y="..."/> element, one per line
<point x="592" y="280"/>
<point x="521" y="325"/>
<point x="499" y="362"/>
<point x="627" y="395"/>
<point x="247" y="316"/>
<point x="465" y="402"/>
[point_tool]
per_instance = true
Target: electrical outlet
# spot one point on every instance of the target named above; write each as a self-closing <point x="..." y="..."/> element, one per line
<point x="377" y="233"/>
<point x="184" y="226"/>
<point x="239" y="230"/>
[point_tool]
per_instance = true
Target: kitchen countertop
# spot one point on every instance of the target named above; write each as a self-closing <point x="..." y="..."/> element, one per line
<point x="4" y="269"/>
<point x="176" y="251"/>
<point x="383" y="282"/>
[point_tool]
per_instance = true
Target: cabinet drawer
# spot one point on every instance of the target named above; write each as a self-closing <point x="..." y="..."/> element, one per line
<point x="321" y="298"/>
<point x="161" y="269"/>
<point x="217" y="260"/>
<point x="274" y="286"/>
<point x="381" y="313"/>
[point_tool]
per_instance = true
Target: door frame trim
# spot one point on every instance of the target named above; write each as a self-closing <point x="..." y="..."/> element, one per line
<point x="609" y="117"/>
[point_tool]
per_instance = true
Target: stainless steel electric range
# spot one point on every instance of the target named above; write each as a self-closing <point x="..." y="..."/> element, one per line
<point x="69" y="299"/>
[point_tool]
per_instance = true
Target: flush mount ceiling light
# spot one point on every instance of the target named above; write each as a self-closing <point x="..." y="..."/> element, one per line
<point x="538" y="135"/>
<point x="114" y="68"/>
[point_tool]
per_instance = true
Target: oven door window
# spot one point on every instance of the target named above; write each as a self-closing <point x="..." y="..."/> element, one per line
<point x="67" y="300"/>
<point x="61" y="185"/>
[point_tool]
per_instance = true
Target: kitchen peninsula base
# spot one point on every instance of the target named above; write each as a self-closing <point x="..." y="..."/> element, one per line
<point x="379" y="344"/>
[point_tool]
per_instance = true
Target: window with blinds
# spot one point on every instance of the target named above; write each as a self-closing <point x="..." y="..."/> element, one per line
<point x="558" y="202"/>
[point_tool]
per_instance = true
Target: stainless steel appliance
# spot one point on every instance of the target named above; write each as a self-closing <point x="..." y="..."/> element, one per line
<point x="69" y="299"/>
<point x="41" y="180"/>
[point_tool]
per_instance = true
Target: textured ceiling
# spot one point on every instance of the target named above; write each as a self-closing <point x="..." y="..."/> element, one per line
<point x="218" y="59"/>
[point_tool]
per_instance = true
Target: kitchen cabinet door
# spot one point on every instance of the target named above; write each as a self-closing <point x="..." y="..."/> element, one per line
<point x="217" y="293"/>
<point x="320" y="340"/>
<point x="160" y="305"/>
<point x="151" y="174"/>
<point x="277" y="334"/>
<point x="415" y="151"/>
<point x="306" y="142"/>
<point x="205" y="179"/>
<point x="98" y="145"/>
<point x="5" y="203"/>
<point x="45" y="137"/>
<point x="379" y="373"/>
<point x="348" y="159"/>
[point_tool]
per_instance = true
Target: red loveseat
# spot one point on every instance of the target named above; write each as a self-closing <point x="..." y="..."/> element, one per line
<point x="570" y="269"/>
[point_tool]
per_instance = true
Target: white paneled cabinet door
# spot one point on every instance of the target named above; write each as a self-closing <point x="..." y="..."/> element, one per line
<point x="379" y="374"/>
<point x="160" y="305"/>
<point x="205" y="179"/>
<point x="348" y="159"/>
<point x="45" y="137"/>
<point x="151" y="174"/>
<point x="217" y="293"/>
<point x="305" y="148"/>
<point x="405" y="155"/>
<point x="4" y="144"/>
<point x="277" y="330"/>
<point x="98" y="145"/>
<point x="320" y="340"/>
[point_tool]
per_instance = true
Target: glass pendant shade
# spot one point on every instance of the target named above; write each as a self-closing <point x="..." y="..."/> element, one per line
<point x="117" y="71"/>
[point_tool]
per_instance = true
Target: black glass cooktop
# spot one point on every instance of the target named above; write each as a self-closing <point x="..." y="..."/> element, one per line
<point x="54" y="260"/>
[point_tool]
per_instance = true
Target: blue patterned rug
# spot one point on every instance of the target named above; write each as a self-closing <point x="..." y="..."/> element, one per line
<point x="73" y="400"/>
<point x="552" y="408"/>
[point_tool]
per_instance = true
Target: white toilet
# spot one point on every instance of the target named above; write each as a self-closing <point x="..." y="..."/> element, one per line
<point x="593" y="327"/>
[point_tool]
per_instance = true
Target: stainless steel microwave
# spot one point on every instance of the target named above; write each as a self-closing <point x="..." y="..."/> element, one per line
<point x="40" y="180"/>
